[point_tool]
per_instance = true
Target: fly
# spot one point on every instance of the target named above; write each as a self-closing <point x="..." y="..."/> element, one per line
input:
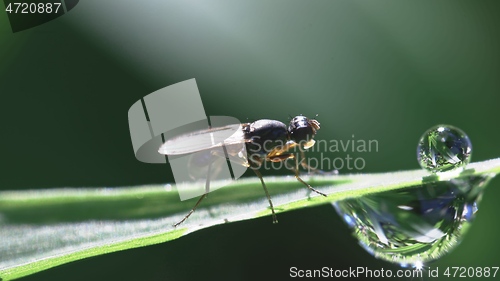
<point x="264" y="140"/>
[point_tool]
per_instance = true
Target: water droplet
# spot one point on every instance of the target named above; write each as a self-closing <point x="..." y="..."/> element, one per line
<point x="414" y="225"/>
<point x="167" y="187"/>
<point x="444" y="148"/>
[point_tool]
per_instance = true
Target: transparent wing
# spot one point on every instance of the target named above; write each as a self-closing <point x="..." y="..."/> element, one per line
<point x="203" y="140"/>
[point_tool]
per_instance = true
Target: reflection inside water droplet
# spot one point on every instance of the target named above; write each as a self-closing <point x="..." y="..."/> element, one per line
<point x="417" y="224"/>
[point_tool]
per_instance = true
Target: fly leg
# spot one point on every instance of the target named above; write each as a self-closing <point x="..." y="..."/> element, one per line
<point x="275" y="220"/>
<point x="207" y="189"/>
<point x="255" y="163"/>
<point x="284" y="157"/>
<point x="297" y="176"/>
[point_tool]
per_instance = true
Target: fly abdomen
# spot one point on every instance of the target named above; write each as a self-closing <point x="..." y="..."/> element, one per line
<point x="265" y="135"/>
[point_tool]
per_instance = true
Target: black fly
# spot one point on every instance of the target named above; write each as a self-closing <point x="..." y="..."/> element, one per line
<point x="264" y="140"/>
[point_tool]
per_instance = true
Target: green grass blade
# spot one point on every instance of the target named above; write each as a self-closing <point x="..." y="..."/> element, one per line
<point x="40" y="229"/>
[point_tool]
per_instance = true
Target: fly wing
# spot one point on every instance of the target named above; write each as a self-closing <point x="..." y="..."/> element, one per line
<point x="203" y="140"/>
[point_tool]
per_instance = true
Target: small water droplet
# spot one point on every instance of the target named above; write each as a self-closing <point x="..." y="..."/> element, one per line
<point x="444" y="148"/>
<point x="432" y="222"/>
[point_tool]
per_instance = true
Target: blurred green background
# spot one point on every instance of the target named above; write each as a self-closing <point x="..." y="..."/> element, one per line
<point x="383" y="70"/>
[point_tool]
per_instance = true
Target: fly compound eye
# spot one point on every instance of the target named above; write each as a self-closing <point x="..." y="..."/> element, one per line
<point x="301" y="129"/>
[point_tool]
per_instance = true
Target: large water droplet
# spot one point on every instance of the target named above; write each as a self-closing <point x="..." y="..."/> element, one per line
<point x="414" y="225"/>
<point x="444" y="148"/>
